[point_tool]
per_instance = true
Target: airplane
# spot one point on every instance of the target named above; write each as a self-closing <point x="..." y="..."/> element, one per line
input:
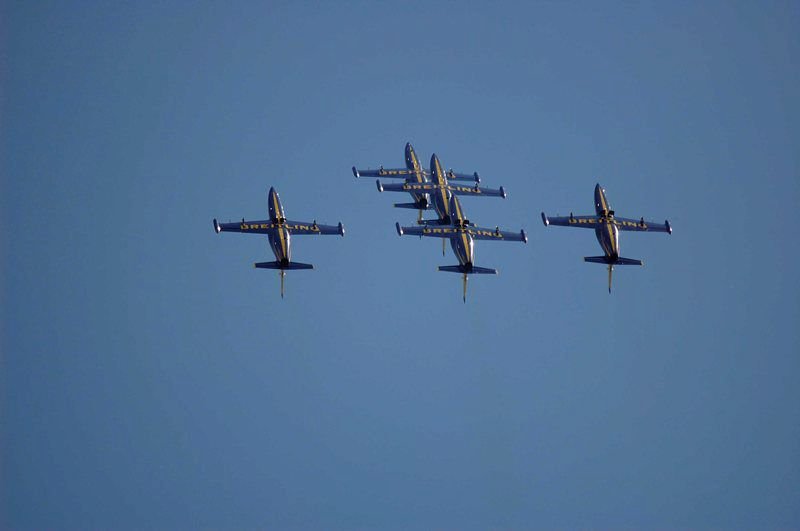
<point x="462" y="235"/>
<point x="441" y="191"/>
<point x="279" y="231"/>
<point x="414" y="173"/>
<point x="606" y="227"/>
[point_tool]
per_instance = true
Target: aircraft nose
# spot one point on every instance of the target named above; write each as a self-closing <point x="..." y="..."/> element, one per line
<point x="409" y="152"/>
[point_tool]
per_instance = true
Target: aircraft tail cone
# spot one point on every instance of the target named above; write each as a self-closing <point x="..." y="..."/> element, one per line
<point x="610" y="272"/>
<point x="283" y="276"/>
<point x="443" y="246"/>
<point x="465" y="288"/>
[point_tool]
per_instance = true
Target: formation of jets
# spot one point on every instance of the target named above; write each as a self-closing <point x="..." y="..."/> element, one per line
<point x="438" y="190"/>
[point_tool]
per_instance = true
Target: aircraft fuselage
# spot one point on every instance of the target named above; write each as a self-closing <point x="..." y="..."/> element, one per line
<point x="464" y="248"/>
<point x="441" y="199"/>
<point x="412" y="164"/>
<point x="462" y="243"/>
<point x="606" y="232"/>
<point x="279" y="239"/>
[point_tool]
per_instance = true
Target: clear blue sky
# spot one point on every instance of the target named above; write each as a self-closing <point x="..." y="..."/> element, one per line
<point x="151" y="378"/>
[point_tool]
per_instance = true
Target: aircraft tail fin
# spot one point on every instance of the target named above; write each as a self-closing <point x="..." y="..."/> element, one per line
<point x="282" y="268"/>
<point x="611" y="263"/>
<point x="474" y="270"/>
<point x="278" y="265"/>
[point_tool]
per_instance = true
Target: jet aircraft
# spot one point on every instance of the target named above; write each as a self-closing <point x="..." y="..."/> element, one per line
<point x="606" y="228"/>
<point x="441" y="191"/>
<point x="279" y="231"/>
<point x="462" y="235"/>
<point x="414" y="173"/>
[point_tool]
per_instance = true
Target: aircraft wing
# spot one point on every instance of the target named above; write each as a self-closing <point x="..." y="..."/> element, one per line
<point x="587" y="222"/>
<point x="455" y="176"/>
<point x="430" y="231"/>
<point x="426" y="188"/>
<point x="306" y="227"/>
<point x="382" y="172"/>
<point x="642" y="225"/>
<point x="254" y="227"/>
<point x="481" y="233"/>
<point x="477" y="190"/>
<point x="477" y="233"/>
<point x="422" y="188"/>
<point x="405" y="172"/>
<point x="402" y="173"/>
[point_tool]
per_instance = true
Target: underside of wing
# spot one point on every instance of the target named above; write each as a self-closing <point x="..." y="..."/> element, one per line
<point x="477" y="190"/>
<point x="254" y="227"/>
<point x="455" y="176"/>
<point x="642" y="225"/>
<point x="400" y="173"/>
<point x="588" y="222"/>
<point x="481" y="233"/>
<point x="312" y="227"/>
<point x="429" y="231"/>
<point x="422" y="188"/>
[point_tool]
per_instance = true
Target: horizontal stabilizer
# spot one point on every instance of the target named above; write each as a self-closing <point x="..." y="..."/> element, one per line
<point x="278" y="265"/>
<point x="433" y="222"/>
<point x="412" y="206"/>
<point x="628" y="261"/>
<point x="597" y="259"/>
<point x="474" y="271"/>
<point x="607" y="260"/>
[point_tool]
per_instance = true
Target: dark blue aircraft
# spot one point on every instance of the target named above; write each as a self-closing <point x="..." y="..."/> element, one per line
<point x="414" y="175"/>
<point x="279" y="230"/>
<point x="440" y="192"/>
<point x="606" y="227"/>
<point x="462" y="235"/>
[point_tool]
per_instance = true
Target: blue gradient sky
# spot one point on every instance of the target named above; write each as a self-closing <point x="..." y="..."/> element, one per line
<point x="151" y="378"/>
